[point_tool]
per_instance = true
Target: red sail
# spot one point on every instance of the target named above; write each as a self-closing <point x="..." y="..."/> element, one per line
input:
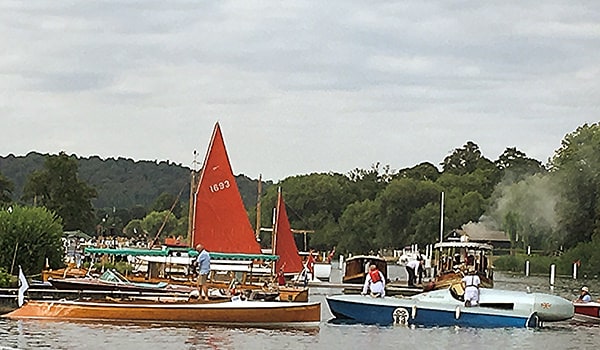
<point x="285" y="246"/>
<point x="221" y="223"/>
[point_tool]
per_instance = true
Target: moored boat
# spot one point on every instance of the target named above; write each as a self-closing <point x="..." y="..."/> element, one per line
<point x="356" y="267"/>
<point x="454" y="259"/>
<point x="498" y="308"/>
<point x="587" y="312"/>
<point x="111" y="280"/>
<point x="172" y="310"/>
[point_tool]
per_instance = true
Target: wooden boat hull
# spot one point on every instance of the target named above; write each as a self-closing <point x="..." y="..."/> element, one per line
<point x="64" y="273"/>
<point x="587" y="312"/>
<point x="439" y="308"/>
<point x="297" y="294"/>
<point x="230" y="313"/>
<point x="98" y="285"/>
<point x="446" y="280"/>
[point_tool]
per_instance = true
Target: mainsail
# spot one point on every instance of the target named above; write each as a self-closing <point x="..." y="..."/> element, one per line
<point x="285" y="246"/>
<point x="220" y="221"/>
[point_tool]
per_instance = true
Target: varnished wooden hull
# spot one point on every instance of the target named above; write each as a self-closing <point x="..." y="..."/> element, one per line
<point x="285" y="293"/>
<point x="63" y="273"/>
<point x="298" y="294"/>
<point x="446" y="280"/>
<point x="234" y="312"/>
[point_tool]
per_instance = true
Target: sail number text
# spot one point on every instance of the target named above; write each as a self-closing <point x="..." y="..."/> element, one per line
<point x="219" y="186"/>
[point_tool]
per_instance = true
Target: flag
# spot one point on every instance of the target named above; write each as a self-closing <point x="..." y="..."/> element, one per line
<point x="23" y="286"/>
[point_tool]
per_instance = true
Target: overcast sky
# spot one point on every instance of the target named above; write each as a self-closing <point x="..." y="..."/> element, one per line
<point x="297" y="86"/>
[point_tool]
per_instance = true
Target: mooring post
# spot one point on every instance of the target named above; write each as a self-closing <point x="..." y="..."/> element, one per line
<point x="552" y="275"/>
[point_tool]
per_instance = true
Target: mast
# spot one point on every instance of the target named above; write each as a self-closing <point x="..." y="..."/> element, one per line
<point x="442" y="220"/>
<point x="259" y="190"/>
<point x="192" y="204"/>
<point x="274" y="231"/>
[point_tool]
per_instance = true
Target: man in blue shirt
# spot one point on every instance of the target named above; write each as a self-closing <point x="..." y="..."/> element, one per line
<point x="203" y="261"/>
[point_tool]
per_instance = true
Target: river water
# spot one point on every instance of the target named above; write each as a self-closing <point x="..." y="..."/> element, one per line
<point x="329" y="335"/>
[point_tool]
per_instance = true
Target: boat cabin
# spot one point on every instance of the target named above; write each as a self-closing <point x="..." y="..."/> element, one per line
<point x="454" y="259"/>
<point x="357" y="267"/>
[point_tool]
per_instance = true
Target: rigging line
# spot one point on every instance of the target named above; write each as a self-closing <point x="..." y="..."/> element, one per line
<point x="296" y="213"/>
<point x="167" y="216"/>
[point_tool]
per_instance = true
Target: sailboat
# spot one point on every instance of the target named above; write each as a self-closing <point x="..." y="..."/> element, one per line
<point x="285" y="247"/>
<point x="221" y="224"/>
<point x="219" y="219"/>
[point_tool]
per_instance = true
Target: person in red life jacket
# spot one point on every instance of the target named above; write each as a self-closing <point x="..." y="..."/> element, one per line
<point x="281" y="276"/>
<point x="375" y="282"/>
<point x="310" y="264"/>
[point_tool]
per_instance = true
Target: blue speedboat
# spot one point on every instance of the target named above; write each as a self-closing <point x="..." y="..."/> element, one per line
<point x="498" y="308"/>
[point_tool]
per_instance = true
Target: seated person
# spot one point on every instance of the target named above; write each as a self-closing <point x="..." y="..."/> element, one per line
<point x="584" y="296"/>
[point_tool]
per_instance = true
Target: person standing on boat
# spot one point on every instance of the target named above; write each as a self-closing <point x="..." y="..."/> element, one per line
<point x="203" y="263"/>
<point x="585" y="296"/>
<point x="375" y="282"/>
<point x="281" y="276"/>
<point x="310" y="264"/>
<point x="470" y="284"/>
<point x="412" y="268"/>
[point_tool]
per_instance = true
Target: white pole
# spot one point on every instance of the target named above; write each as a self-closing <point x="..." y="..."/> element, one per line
<point x="442" y="220"/>
<point x="341" y="262"/>
<point x="527" y="268"/>
<point x="528" y="250"/>
<point x="552" y="275"/>
<point x="574" y="270"/>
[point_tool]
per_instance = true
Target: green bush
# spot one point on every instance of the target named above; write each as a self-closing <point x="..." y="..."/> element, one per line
<point x="538" y="264"/>
<point x="6" y="280"/>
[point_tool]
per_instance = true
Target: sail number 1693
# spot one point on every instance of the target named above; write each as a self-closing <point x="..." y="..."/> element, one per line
<point x="219" y="186"/>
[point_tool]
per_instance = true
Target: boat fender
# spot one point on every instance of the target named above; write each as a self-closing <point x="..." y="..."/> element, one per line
<point x="400" y="316"/>
<point x="457" y="312"/>
<point x="413" y="314"/>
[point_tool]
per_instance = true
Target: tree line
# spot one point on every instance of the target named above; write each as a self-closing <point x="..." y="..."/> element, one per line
<point x="552" y="206"/>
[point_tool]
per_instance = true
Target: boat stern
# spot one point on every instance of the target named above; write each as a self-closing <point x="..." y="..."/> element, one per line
<point x="552" y="308"/>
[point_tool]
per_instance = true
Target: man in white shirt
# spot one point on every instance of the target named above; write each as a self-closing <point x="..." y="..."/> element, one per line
<point x="375" y="281"/>
<point x="470" y="284"/>
<point x="412" y="269"/>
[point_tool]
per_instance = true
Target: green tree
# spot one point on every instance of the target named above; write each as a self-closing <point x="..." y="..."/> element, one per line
<point x="358" y="227"/>
<point x="29" y="236"/>
<point x="6" y="190"/>
<point x="577" y="167"/>
<point x="463" y="160"/>
<point x="161" y="224"/>
<point x="313" y="202"/>
<point x="58" y="188"/>
<point x="134" y="228"/>
<point x="367" y="183"/>
<point x="398" y="203"/>
<point x="515" y="165"/>
<point x="422" y="172"/>
<point x="166" y="201"/>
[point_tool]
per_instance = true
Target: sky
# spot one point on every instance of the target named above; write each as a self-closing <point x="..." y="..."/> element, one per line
<point x="298" y="87"/>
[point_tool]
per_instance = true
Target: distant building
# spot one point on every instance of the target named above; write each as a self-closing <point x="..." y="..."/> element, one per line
<point x="478" y="233"/>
